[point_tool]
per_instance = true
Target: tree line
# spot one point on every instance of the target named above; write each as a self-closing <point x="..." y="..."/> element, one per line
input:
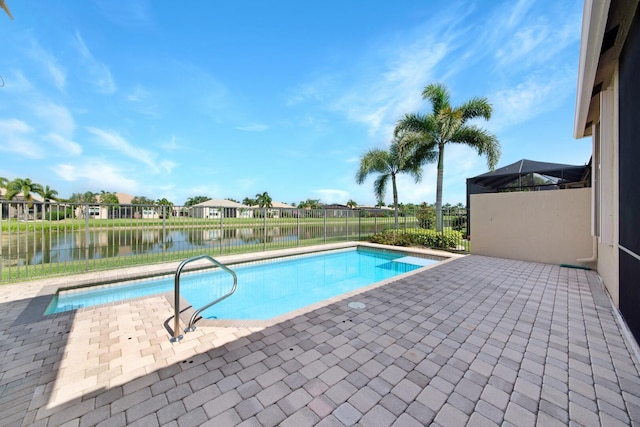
<point x="26" y="188"/>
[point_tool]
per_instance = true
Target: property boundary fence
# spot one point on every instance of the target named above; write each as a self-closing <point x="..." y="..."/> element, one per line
<point x="53" y="239"/>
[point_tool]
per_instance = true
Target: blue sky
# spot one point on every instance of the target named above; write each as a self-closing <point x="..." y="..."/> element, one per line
<point x="230" y="99"/>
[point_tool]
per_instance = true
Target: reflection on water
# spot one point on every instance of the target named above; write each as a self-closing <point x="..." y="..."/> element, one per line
<point x="53" y="247"/>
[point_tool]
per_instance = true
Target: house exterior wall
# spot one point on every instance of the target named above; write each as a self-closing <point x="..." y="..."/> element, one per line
<point x="607" y="107"/>
<point x="540" y="226"/>
<point x="628" y="111"/>
<point x="217" y="212"/>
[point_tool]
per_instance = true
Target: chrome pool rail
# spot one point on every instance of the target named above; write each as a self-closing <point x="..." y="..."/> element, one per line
<point x="190" y="327"/>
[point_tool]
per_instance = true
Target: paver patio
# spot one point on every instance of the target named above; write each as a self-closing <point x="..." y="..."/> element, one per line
<point x="476" y="341"/>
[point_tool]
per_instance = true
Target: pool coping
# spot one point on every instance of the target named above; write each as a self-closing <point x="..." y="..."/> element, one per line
<point x="34" y="311"/>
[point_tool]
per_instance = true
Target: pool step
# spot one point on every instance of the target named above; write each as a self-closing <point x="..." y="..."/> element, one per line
<point x="414" y="260"/>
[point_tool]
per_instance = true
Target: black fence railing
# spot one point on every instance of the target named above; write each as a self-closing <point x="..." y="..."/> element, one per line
<point x="49" y="239"/>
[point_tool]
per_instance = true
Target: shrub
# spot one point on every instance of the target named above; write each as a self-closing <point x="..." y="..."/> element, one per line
<point x="426" y="216"/>
<point x="55" y="215"/>
<point x="392" y="237"/>
<point x="449" y="239"/>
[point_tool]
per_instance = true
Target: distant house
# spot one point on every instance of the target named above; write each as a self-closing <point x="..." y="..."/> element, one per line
<point x="275" y="210"/>
<point x="335" y="210"/>
<point x="17" y="209"/>
<point x="218" y="208"/>
<point x="124" y="209"/>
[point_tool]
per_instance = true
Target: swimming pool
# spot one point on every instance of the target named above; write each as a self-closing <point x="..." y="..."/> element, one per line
<point x="265" y="288"/>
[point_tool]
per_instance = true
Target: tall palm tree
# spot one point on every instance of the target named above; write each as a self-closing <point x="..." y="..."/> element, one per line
<point x="108" y="198"/>
<point x="165" y="202"/>
<point x="309" y="204"/>
<point x="388" y="164"/>
<point x="264" y="200"/>
<point x="352" y="204"/>
<point x="196" y="200"/>
<point x="445" y="125"/>
<point x="25" y="187"/>
<point x="49" y="194"/>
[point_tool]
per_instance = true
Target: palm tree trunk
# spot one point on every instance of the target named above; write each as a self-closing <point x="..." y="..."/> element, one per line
<point x="395" y="198"/>
<point x="439" y="221"/>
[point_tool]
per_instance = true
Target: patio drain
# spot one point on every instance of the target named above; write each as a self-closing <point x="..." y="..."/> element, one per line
<point x="357" y="305"/>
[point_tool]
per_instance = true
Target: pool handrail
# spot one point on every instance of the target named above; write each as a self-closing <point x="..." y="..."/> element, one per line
<point x="191" y="327"/>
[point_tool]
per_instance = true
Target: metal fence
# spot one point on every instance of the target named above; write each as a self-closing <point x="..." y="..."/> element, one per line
<point x="52" y="239"/>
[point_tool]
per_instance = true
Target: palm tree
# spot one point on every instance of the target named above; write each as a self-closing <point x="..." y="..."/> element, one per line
<point x="196" y="200"/>
<point x="352" y="204"/>
<point x="49" y="194"/>
<point x="388" y="164"/>
<point x="111" y="199"/>
<point x="247" y="201"/>
<point x="108" y="198"/>
<point x="447" y="124"/>
<point x="25" y="187"/>
<point x="310" y="204"/>
<point x="166" y="202"/>
<point x="263" y="200"/>
<point x="87" y="197"/>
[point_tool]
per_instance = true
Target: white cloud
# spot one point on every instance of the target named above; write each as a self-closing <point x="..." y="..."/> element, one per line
<point x="126" y="14"/>
<point x="385" y="82"/>
<point x="66" y="145"/>
<point x="96" y="69"/>
<point x="332" y="195"/>
<point x="57" y="117"/>
<point x="97" y="174"/>
<point x="535" y="44"/>
<point x="15" y="139"/>
<point x="537" y="94"/>
<point x="253" y="127"/>
<point x="167" y="165"/>
<point x="138" y="94"/>
<point x="171" y="145"/>
<point x="114" y="141"/>
<point x="381" y="99"/>
<point x="49" y="63"/>
<point x="515" y="16"/>
<point x="316" y="90"/>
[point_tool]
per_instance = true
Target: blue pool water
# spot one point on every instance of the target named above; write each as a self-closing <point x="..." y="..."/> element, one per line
<point x="265" y="289"/>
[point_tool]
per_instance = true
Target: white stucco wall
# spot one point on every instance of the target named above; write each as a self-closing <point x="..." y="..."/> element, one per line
<point x="541" y="226"/>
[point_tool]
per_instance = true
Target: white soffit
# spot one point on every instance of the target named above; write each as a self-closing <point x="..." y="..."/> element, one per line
<point x="594" y="21"/>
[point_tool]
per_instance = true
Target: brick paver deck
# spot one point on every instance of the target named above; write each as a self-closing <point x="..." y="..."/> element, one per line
<point x="477" y="341"/>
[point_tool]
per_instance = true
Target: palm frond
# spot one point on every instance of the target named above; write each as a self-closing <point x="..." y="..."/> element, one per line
<point x="476" y="107"/>
<point x="438" y="95"/>
<point x="373" y="161"/>
<point x="449" y="121"/>
<point x="380" y="186"/>
<point x="484" y="142"/>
